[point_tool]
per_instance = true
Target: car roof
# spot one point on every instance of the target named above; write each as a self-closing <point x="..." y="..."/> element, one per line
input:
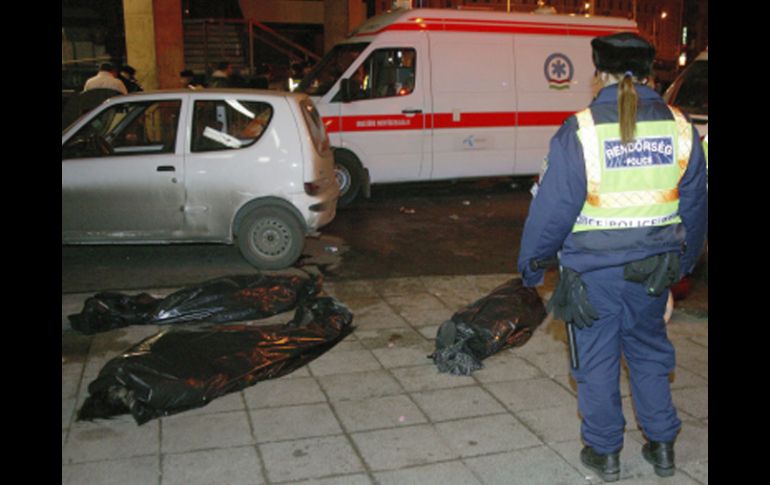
<point x="205" y="92"/>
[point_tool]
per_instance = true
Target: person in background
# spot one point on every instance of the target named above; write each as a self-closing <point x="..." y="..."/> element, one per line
<point x="295" y="77"/>
<point x="190" y="80"/>
<point x="623" y="203"/>
<point x="127" y="77"/>
<point x="299" y="70"/>
<point x="307" y="66"/>
<point x="263" y="76"/>
<point x="186" y="79"/>
<point x="220" y="78"/>
<point x="106" y="78"/>
<point x="236" y="79"/>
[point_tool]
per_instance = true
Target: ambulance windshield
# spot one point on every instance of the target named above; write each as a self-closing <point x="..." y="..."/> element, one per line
<point x="323" y="76"/>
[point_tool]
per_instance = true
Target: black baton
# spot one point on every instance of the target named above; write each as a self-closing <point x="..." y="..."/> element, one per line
<point x="535" y="265"/>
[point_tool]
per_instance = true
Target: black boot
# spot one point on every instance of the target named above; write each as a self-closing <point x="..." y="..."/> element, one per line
<point x="607" y="466"/>
<point x="661" y="455"/>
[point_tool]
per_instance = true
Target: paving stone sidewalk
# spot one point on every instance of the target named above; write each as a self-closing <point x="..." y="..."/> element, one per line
<point x="374" y="409"/>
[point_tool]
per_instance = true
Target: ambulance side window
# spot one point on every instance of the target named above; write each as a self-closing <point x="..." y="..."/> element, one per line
<point x="385" y="73"/>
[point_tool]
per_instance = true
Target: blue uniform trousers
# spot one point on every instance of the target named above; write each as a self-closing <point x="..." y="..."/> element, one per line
<point x="630" y="322"/>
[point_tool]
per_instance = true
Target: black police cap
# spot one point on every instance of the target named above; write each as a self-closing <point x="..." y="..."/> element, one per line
<point x="623" y="52"/>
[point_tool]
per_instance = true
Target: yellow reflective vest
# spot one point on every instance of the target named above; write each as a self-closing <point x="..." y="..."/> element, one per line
<point x="633" y="184"/>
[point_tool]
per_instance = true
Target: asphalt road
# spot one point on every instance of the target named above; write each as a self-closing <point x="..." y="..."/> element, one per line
<point x="403" y="230"/>
<point x="433" y="229"/>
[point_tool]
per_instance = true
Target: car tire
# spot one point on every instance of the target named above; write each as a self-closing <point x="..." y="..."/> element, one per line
<point x="270" y="238"/>
<point x="349" y="175"/>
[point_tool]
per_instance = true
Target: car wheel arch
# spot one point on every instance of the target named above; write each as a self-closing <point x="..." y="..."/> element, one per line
<point x="265" y="202"/>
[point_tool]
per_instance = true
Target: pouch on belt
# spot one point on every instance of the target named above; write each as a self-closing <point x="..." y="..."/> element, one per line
<point x="657" y="272"/>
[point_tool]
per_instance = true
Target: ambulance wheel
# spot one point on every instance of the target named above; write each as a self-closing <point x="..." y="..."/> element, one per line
<point x="349" y="176"/>
<point x="270" y="238"/>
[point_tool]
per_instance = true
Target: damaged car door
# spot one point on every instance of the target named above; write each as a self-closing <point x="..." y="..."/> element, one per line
<point x="123" y="174"/>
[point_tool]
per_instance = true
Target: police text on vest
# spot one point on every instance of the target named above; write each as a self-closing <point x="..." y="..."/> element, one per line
<point x="642" y="152"/>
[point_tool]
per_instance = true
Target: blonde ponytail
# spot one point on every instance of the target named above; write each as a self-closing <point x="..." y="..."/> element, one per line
<point x="627" y="101"/>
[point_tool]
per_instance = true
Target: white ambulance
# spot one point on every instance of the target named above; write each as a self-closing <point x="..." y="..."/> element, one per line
<point x="432" y="94"/>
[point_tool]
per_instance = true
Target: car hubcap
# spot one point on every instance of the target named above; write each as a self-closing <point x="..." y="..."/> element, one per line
<point x="271" y="237"/>
<point x="343" y="178"/>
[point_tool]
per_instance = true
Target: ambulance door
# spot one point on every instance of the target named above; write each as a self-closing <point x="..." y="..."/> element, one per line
<point x="384" y="121"/>
<point x="474" y="103"/>
<point x="553" y="79"/>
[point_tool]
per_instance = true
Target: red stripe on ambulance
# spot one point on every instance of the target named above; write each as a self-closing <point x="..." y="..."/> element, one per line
<point x="492" y="26"/>
<point x="445" y="120"/>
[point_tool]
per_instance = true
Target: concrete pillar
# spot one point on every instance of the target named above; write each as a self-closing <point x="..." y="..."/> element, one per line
<point x="154" y="41"/>
<point x="340" y="18"/>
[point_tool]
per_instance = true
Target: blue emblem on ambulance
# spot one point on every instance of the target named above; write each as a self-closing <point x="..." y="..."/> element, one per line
<point x="558" y="71"/>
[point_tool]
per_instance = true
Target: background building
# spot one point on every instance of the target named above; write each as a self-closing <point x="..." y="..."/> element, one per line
<point x="161" y="37"/>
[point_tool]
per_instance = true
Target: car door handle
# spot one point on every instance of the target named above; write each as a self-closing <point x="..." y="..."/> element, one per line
<point x="411" y="111"/>
<point x="166" y="168"/>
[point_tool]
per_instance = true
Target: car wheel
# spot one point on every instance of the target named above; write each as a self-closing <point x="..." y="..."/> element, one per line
<point x="349" y="176"/>
<point x="270" y="238"/>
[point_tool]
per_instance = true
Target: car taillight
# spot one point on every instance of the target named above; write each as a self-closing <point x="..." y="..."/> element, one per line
<point x="311" y="188"/>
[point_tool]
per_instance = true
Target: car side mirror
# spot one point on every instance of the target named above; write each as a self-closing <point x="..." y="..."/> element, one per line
<point x="345" y="90"/>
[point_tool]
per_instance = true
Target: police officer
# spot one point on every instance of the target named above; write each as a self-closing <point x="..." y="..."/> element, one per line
<point x="622" y="202"/>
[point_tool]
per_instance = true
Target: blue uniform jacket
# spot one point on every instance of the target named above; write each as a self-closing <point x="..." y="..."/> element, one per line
<point x="562" y="193"/>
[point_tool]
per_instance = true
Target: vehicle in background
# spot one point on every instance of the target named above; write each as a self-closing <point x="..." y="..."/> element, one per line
<point x="437" y="94"/>
<point x="690" y="92"/>
<point x="244" y="166"/>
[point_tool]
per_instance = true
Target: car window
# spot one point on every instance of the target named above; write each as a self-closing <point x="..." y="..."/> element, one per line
<point x="385" y="73"/>
<point x="141" y="127"/>
<point x="227" y="124"/>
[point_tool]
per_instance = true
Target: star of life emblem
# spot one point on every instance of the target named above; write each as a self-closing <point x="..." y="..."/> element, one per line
<point x="558" y="71"/>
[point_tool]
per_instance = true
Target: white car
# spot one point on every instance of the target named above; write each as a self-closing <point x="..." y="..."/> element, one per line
<point x="229" y="166"/>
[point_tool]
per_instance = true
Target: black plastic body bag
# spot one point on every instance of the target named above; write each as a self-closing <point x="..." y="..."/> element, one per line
<point x="226" y="299"/>
<point x="505" y="318"/>
<point x="187" y="366"/>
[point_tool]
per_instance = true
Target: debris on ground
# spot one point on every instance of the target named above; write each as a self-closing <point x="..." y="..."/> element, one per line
<point x="324" y="252"/>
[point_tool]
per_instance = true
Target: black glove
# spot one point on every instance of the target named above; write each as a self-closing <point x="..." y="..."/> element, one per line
<point x="656" y="272"/>
<point x="569" y="301"/>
